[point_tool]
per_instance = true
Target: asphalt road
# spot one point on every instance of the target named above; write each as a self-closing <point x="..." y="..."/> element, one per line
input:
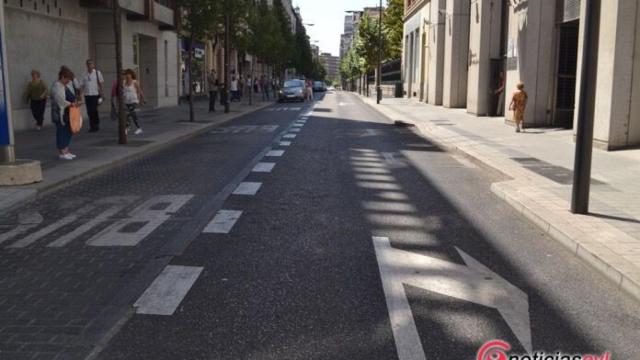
<point x="298" y="276"/>
<point x="362" y="241"/>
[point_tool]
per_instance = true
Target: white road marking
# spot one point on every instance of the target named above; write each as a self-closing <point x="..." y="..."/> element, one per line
<point x="378" y="185"/>
<point x="389" y="206"/>
<point x="168" y="290"/>
<point x="295" y="130"/>
<point x="245" y="129"/>
<point x="264" y="167"/>
<point x="473" y="282"/>
<point x="33" y="237"/>
<point x="285" y="143"/>
<point x="145" y="219"/>
<point x="275" y="153"/>
<point x="119" y="203"/>
<point x="297" y="125"/>
<point x="289" y="136"/>
<point x="223" y="222"/>
<point x="371" y="170"/>
<point x="247" y="188"/>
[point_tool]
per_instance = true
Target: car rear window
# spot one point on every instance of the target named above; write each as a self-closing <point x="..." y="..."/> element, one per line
<point x="293" y="83"/>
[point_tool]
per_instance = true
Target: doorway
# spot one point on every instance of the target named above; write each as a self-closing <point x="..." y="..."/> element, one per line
<point x="148" y="68"/>
<point x="567" y="64"/>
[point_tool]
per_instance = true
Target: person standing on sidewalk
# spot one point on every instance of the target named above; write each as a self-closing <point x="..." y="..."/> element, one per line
<point x="36" y="94"/>
<point x="233" y="88"/>
<point x="518" y="105"/>
<point x="212" y="82"/>
<point x="92" y="89"/>
<point x="62" y="98"/>
<point x="132" y="98"/>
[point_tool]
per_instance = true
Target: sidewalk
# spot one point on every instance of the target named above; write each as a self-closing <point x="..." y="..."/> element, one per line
<point x="99" y="151"/>
<point x="539" y="163"/>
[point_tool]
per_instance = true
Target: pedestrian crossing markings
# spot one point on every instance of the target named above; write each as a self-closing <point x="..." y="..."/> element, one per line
<point x="284" y="109"/>
<point x="245" y="129"/>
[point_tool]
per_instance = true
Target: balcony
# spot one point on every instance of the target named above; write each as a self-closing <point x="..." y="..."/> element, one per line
<point x="161" y="12"/>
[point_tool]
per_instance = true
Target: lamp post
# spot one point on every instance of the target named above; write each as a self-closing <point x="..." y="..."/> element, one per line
<point x="379" y="70"/>
<point x="586" y="110"/>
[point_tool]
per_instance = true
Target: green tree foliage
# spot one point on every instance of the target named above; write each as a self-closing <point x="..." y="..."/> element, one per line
<point x="393" y="26"/>
<point x="352" y="65"/>
<point x="319" y="72"/>
<point x="368" y="41"/>
<point x="199" y="21"/>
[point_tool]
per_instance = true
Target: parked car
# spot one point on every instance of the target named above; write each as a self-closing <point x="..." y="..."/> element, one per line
<point x="292" y="90"/>
<point x="319" y="86"/>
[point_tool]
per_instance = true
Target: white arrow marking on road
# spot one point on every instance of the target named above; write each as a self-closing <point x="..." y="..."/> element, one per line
<point x="474" y="283"/>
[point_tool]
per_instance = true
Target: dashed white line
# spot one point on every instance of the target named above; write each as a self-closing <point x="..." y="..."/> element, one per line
<point x="168" y="290"/>
<point x="223" y="222"/>
<point x="285" y="143"/>
<point x="295" y="130"/>
<point x="247" y="188"/>
<point x="275" y="153"/>
<point x="264" y="167"/>
<point x="289" y="136"/>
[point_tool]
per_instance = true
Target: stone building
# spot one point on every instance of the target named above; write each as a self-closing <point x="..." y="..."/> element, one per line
<point x="44" y="35"/>
<point x="455" y="50"/>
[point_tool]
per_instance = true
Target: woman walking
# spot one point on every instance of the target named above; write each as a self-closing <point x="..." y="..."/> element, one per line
<point x="63" y="97"/>
<point x="132" y="98"/>
<point x="518" y="105"/>
<point x="36" y="94"/>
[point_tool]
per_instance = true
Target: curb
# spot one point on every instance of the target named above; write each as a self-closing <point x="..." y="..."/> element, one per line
<point x="625" y="275"/>
<point x="147" y="150"/>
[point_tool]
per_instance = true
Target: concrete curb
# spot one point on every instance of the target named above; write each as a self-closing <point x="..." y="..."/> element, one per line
<point x="583" y="244"/>
<point x="144" y="151"/>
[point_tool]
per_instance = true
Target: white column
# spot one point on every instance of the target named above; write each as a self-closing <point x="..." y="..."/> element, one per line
<point x="617" y="107"/>
<point x="436" y="46"/>
<point x="456" y="54"/>
<point x="484" y="44"/>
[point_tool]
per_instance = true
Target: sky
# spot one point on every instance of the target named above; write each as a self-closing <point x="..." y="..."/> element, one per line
<point x="328" y="19"/>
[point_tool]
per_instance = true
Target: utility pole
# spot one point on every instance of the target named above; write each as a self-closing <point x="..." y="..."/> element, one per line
<point x="379" y="69"/>
<point x="586" y="110"/>
<point x="227" y="75"/>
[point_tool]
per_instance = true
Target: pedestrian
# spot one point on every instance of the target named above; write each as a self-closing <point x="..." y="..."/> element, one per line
<point x="212" y="81"/>
<point x="63" y="97"/>
<point x="266" y="89"/>
<point x="518" y="105"/>
<point x="233" y="87"/>
<point x="92" y="89"/>
<point x="132" y="98"/>
<point x="500" y="94"/>
<point x="309" y="90"/>
<point x="256" y="86"/>
<point x="36" y="94"/>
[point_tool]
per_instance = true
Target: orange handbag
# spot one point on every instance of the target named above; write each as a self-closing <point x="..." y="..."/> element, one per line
<point x="75" y="119"/>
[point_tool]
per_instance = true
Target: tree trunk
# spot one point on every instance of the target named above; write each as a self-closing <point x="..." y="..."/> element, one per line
<point x="192" y="115"/>
<point x="117" y="31"/>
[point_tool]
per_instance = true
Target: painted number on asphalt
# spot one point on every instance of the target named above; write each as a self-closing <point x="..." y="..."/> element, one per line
<point x="129" y="231"/>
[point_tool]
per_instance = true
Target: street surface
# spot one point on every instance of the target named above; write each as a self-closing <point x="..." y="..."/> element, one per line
<point x="301" y="231"/>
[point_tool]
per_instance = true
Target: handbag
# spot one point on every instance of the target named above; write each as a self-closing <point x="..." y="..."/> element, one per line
<point x="75" y="119"/>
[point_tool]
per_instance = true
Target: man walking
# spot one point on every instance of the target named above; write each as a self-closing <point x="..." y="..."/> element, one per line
<point x="92" y="88"/>
<point x="212" y="81"/>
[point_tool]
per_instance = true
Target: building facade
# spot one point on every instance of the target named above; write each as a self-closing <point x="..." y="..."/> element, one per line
<point x="331" y="65"/>
<point x="455" y="51"/>
<point x="44" y="35"/>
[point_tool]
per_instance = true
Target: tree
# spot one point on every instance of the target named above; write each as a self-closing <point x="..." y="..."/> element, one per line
<point x="352" y="66"/>
<point x="393" y="27"/>
<point x="368" y="42"/>
<point x="200" y="21"/>
<point x="117" y="30"/>
<point x="319" y="73"/>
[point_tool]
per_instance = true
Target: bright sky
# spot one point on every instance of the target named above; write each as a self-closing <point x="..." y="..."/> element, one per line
<point x="328" y="19"/>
